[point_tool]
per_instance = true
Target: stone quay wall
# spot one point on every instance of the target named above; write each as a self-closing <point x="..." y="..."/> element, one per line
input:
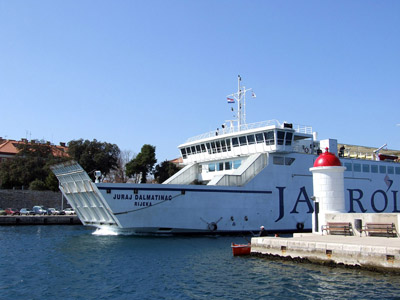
<point x="26" y="198"/>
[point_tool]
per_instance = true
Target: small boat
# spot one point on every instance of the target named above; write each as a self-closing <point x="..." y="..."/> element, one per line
<point x="241" y="249"/>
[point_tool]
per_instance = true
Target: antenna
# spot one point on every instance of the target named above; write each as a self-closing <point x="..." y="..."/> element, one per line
<point x="240" y="97"/>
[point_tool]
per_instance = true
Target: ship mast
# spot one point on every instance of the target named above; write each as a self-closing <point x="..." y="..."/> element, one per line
<point x="240" y="98"/>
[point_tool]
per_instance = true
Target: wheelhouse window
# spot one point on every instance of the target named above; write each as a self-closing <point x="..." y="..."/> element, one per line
<point x="211" y="167"/>
<point x="203" y="148"/>
<point x="397" y="169"/>
<point x="228" y="145"/>
<point x="374" y="169"/>
<point x="220" y="166"/>
<point x="228" y="165"/>
<point x="269" y="137"/>
<point x="280" y="137"/>
<point x="188" y="151"/>
<point x="357" y="167"/>
<point x="382" y="169"/>
<point x="259" y="138"/>
<point x="198" y="149"/>
<point x="235" y="142"/>
<point x="183" y="151"/>
<point x="251" y="139"/>
<point x="288" y="139"/>
<point x="242" y="140"/>
<point x="365" y="168"/>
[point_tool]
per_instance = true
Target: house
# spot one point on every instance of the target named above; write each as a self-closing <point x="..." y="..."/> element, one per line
<point x="8" y="148"/>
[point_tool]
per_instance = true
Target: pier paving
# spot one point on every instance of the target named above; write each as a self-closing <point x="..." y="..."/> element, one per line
<point x="373" y="253"/>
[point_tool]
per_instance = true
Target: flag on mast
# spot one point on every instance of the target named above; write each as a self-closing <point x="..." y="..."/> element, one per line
<point x="230" y="100"/>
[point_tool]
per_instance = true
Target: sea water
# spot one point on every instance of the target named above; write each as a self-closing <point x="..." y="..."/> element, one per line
<point x="70" y="262"/>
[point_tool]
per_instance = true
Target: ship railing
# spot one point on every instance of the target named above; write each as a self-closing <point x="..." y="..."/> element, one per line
<point x="235" y="129"/>
<point x="185" y="176"/>
<point x="247" y="171"/>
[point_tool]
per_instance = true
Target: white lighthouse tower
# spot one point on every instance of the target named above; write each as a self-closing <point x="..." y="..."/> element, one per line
<point x="328" y="183"/>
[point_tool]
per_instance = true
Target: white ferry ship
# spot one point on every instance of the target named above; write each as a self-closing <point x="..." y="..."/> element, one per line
<point x="246" y="175"/>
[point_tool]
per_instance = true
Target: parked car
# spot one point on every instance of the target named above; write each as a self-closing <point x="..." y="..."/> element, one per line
<point x="25" y="211"/>
<point x="52" y="211"/>
<point x="12" y="211"/>
<point x="2" y="212"/>
<point x="69" y="211"/>
<point x="38" y="210"/>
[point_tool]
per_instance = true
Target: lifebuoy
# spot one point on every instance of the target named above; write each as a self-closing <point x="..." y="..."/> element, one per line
<point x="300" y="226"/>
<point x="212" y="226"/>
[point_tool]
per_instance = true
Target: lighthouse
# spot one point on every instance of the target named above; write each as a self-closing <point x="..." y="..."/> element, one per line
<point x="328" y="185"/>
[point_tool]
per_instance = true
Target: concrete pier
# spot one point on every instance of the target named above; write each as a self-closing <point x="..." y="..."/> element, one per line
<point x="40" y="220"/>
<point x="371" y="253"/>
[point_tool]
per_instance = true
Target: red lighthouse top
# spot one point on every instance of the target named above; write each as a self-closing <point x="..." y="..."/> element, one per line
<point x="327" y="159"/>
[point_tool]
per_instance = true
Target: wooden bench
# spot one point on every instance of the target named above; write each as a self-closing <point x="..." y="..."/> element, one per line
<point x="338" y="228"/>
<point x="379" y="229"/>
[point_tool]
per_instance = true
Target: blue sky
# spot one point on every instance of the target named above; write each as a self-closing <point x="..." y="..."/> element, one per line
<point x="158" y="72"/>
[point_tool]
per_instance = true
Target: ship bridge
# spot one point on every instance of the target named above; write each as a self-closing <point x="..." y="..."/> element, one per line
<point x="263" y="137"/>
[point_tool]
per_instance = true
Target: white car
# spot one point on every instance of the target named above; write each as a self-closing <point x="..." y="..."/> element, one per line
<point x="69" y="211"/>
<point x="52" y="211"/>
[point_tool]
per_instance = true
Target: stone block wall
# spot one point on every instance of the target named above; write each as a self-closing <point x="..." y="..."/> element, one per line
<point x="26" y="198"/>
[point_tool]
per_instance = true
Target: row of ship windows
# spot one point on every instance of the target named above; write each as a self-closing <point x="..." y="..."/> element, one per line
<point x="224" y="145"/>
<point x="371" y="168"/>
<point x="227" y="165"/>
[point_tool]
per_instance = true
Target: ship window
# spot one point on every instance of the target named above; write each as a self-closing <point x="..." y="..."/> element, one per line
<point x="289" y="136"/>
<point x="250" y="139"/>
<point x="365" y="168"/>
<point x="357" y="168"/>
<point x="259" y="138"/>
<point x="382" y="169"/>
<point x="211" y="167"/>
<point x="374" y="169"/>
<point x="397" y="169"/>
<point x="203" y="148"/>
<point x="349" y="167"/>
<point x="280" y="137"/>
<point x="278" y="160"/>
<point x="236" y="164"/>
<point x="193" y="150"/>
<point x="289" y="160"/>
<point x="223" y="146"/>
<point x="208" y="147"/>
<point x="228" y="165"/>
<point x="228" y="144"/>
<point x="235" y="142"/>
<point x="269" y="138"/>
<point x="220" y="166"/>
<point x="214" y="150"/>
<point x="198" y="148"/>
<point x="183" y="151"/>
<point x="242" y="140"/>
<point x="218" y="143"/>
<point x="188" y="151"/>
<point x="390" y="170"/>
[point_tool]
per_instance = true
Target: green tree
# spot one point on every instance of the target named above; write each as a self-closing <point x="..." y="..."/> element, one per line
<point x="165" y="170"/>
<point x="31" y="163"/>
<point x="94" y="155"/>
<point x="143" y="164"/>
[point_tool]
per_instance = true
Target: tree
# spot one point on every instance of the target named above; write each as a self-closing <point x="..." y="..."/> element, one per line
<point x="31" y="163"/>
<point x="94" y="155"/>
<point x="165" y="170"/>
<point x="142" y="165"/>
<point x="118" y="174"/>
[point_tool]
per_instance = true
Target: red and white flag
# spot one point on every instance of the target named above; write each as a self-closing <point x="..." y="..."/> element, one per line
<point x="230" y="100"/>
